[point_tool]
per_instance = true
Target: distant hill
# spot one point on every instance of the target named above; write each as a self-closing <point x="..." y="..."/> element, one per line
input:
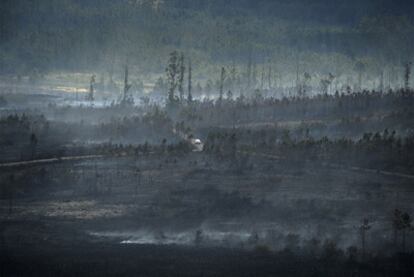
<point x="49" y="35"/>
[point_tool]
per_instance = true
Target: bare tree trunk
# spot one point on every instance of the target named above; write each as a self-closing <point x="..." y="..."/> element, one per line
<point x="270" y="76"/>
<point x="363" y="243"/>
<point x="403" y="239"/>
<point x="222" y="77"/>
<point x="395" y="237"/>
<point x="190" y="85"/>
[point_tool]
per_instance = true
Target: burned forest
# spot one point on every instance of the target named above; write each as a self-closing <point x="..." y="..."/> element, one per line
<point x="206" y="138"/>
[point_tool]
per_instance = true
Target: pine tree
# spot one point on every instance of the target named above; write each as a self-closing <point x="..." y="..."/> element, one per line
<point x="91" y="96"/>
<point x="172" y="72"/>
<point x="249" y="71"/>
<point x="222" y="79"/>
<point x="181" y="77"/>
<point x="126" y="99"/>
<point x="407" y="75"/>
<point x="190" y="96"/>
<point x="269" y="76"/>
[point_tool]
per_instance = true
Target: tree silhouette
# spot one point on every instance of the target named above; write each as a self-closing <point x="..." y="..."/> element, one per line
<point x="33" y="144"/>
<point x="221" y="85"/>
<point x="363" y="228"/>
<point x="91" y="96"/>
<point x="407" y="75"/>
<point x="402" y="223"/>
<point x="190" y="85"/>
<point x="181" y="68"/>
<point x="172" y="71"/>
